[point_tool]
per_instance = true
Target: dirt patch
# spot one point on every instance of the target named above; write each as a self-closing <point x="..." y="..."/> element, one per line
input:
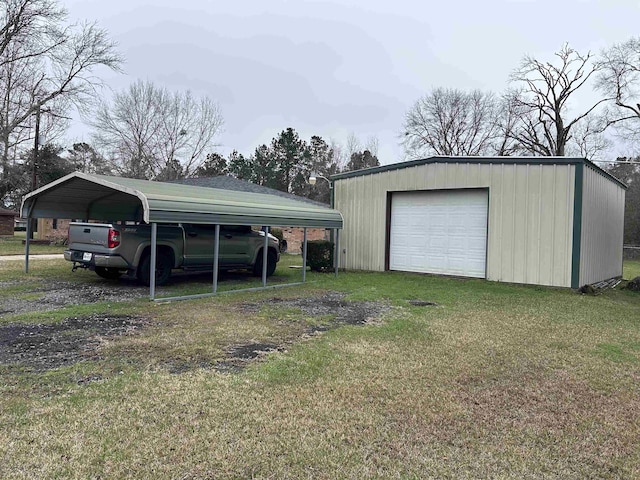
<point x="41" y="347"/>
<point x="331" y="306"/>
<point x="239" y="356"/>
<point x="53" y="294"/>
<point x="331" y="303"/>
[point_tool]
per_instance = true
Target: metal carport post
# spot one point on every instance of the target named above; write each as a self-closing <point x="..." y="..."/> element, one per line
<point x="152" y="279"/>
<point x="304" y="255"/>
<point x="26" y="246"/>
<point x="152" y="267"/>
<point x="216" y="253"/>
<point x="265" y="255"/>
<point x="336" y="259"/>
<point x="27" y="242"/>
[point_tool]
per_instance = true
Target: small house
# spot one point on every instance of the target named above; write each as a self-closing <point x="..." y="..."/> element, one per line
<point x="7" y="221"/>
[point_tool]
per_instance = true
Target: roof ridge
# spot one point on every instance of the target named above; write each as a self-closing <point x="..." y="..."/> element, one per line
<point x="524" y="160"/>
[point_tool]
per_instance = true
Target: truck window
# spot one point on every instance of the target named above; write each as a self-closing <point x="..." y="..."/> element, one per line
<point x="236" y="229"/>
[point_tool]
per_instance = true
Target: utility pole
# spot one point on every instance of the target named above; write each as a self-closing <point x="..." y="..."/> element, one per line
<point x="34" y="171"/>
<point x="36" y="145"/>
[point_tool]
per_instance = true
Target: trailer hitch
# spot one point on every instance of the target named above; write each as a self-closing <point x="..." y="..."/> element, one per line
<point x="78" y="265"/>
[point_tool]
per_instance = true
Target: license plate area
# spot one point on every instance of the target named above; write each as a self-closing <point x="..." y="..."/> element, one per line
<point x="86" y="257"/>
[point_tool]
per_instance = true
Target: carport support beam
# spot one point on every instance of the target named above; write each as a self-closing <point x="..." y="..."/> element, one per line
<point x="26" y="246"/>
<point x="152" y="273"/>
<point x="337" y="251"/>
<point x="216" y="251"/>
<point x="265" y="252"/>
<point x="207" y="295"/>
<point x="304" y="255"/>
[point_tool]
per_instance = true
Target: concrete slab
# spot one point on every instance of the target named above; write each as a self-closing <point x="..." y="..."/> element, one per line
<point x="31" y="257"/>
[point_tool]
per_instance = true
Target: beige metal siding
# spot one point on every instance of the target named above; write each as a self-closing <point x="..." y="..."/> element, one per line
<point x="530" y="216"/>
<point x="602" y="228"/>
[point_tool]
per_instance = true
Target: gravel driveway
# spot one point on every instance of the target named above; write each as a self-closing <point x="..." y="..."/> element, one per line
<point x="55" y="294"/>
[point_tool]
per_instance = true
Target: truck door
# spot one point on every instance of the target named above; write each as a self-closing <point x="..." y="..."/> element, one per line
<point x="198" y="244"/>
<point x="235" y="245"/>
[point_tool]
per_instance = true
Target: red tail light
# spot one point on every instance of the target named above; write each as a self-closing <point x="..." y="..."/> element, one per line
<point x="114" y="238"/>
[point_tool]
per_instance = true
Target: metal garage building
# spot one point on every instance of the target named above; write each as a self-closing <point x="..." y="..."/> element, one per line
<point x="537" y="220"/>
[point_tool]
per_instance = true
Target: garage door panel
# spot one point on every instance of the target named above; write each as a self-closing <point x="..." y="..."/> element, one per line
<point x="436" y="263"/>
<point x="439" y="232"/>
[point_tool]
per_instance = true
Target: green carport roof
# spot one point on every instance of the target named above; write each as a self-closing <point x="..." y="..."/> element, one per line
<point x="100" y="197"/>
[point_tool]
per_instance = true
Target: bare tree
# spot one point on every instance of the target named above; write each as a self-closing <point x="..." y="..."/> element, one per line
<point x="454" y="122"/>
<point x="507" y="117"/>
<point x="339" y="155"/>
<point x="619" y="80"/>
<point x="353" y="145"/>
<point x="45" y="62"/>
<point x="545" y="125"/>
<point x="188" y="127"/>
<point x="589" y="140"/>
<point x="125" y="129"/>
<point x="153" y="133"/>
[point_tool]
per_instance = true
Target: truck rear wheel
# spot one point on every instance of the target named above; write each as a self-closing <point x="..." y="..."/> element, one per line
<point x="163" y="270"/>
<point x="108" y="273"/>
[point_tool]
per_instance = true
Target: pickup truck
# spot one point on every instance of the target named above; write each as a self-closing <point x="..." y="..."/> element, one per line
<point x="112" y="249"/>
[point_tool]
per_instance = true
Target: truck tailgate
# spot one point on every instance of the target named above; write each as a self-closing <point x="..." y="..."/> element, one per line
<point x="93" y="237"/>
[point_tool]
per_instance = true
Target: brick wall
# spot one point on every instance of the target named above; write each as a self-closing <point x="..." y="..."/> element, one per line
<point x="47" y="232"/>
<point x="6" y="224"/>
<point x="294" y="237"/>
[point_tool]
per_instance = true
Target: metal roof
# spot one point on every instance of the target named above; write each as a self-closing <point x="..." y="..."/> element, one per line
<point x="101" y="197"/>
<point x="227" y="182"/>
<point x="480" y="160"/>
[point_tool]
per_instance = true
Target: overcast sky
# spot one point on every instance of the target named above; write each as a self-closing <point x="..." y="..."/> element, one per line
<point x="330" y="68"/>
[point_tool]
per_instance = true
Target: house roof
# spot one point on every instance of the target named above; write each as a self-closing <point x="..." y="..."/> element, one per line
<point x="480" y="160"/>
<point x="101" y="197"/>
<point x="8" y="213"/>
<point x="226" y="182"/>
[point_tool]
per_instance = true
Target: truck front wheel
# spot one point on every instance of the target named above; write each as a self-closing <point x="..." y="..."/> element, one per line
<point x="163" y="270"/>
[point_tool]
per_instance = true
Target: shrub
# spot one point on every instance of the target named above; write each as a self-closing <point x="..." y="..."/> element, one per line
<point x="58" y="239"/>
<point x="634" y="284"/>
<point x="320" y="255"/>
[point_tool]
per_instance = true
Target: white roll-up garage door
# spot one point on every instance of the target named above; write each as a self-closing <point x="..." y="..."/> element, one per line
<point x="442" y="232"/>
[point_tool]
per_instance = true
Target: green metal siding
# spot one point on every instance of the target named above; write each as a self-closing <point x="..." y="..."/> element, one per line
<point x="102" y="197"/>
<point x="577" y="226"/>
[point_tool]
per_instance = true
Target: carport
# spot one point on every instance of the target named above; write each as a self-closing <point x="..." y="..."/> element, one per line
<point x="105" y="198"/>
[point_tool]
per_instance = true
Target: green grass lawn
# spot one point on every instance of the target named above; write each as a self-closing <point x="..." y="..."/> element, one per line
<point x="12" y="245"/>
<point x="631" y="269"/>
<point x="496" y="381"/>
